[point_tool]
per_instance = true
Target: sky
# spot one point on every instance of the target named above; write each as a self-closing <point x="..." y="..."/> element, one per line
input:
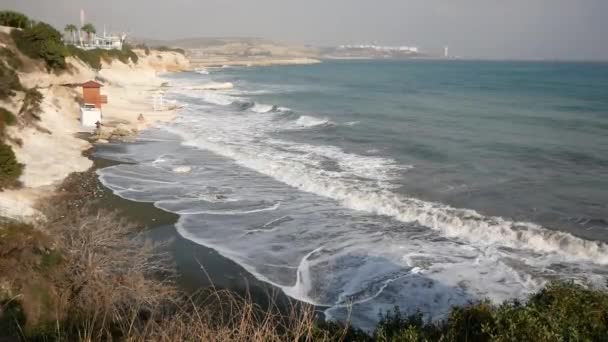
<point x="527" y="29"/>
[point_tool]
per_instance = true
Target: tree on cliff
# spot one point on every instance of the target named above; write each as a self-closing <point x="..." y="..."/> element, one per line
<point x="89" y="29"/>
<point x="14" y="19"/>
<point x="42" y="41"/>
<point x="10" y="168"/>
<point x="71" y="29"/>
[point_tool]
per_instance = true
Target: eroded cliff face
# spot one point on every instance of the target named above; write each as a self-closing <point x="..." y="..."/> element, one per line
<point x="51" y="148"/>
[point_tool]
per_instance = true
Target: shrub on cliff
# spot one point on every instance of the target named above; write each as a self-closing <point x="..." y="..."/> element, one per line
<point x="30" y="109"/>
<point x="6" y="118"/>
<point x="143" y="47"/>
<point x="42" y="41"/>
<point x="94" y="57"/>
<point x="9" y="81"/>
<point x="559" y="312"/>
<point x="10" y="58"/>
<point x="166" y="48"/>
<point x="90" y="57"/>
<point x="10" y="168"/>
<point x="127" y="51"/>
<point x="14" y="19"/>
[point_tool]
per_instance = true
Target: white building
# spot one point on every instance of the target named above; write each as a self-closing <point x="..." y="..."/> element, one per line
<point x="89" y="116"/>
<point x="405" y="49"/>
<point x="102" y="42"/>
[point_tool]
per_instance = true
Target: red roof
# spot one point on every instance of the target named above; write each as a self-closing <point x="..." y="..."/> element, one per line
<point x="92" y="84"/>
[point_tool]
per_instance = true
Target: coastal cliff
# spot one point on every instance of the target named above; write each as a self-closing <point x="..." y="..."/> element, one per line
<point x="51" y="148"/>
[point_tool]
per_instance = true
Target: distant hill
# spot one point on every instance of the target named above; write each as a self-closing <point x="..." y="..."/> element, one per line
<point x="233" y="46"/>
<point x="211" y="51"/>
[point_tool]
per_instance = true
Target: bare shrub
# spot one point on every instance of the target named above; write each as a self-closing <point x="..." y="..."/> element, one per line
<point x="111" y="270"/>
<point x="221" y="315"/>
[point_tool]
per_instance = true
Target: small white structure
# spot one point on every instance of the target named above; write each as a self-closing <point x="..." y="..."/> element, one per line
<point x="89" y="115"/>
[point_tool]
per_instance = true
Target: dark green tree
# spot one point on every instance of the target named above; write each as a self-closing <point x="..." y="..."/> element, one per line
<point x="89" y="29"/>
<point x="10" y="168"/>
<point x="14" y="19"/>
<point x="42" y="41"/>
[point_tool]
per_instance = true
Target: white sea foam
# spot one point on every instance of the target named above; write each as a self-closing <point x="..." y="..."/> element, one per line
<point x="464" y="224"/>
<point x="202" y="71"/>
<point x="194" y="211"/>
<point x="217" y="98"/>
<point x="182" y="169"/>
<point x="420" y="254"/>
<point x="212" y="86"/>
<point x="306" y="121"/>
<point x="262" y="108"/>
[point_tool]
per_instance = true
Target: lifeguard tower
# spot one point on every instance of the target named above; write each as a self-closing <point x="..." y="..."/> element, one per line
<point x="90" y="111"/>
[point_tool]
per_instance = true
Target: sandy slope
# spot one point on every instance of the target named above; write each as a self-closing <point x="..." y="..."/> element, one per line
<point x="49" y="158"/>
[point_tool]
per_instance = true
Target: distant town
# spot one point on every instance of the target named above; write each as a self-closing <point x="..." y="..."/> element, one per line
<point x="379" y="51"/>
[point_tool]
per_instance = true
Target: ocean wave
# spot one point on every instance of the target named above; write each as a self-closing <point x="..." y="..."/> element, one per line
<point x="242" y="104"/>
<point x="467" y="225"/>
<point x="212" y="86"/>
<point x="348" y="237"/>
<point x="263" y="108"/>
<point x="464" y="224"/>
<point x="217" y="98"/>
<point x="170" y="206"/>
<point x="306" y="121"/>
<point x="201" y="71"/>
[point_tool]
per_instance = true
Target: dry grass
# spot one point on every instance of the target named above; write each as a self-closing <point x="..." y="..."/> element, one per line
<point x="224" y="316"/>
<point x="110" y="271"/>
<point x="118" y="286"/>
<point x="92" y="276"/>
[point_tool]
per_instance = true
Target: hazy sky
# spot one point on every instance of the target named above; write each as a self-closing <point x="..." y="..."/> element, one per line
<point x="576" y="29"/>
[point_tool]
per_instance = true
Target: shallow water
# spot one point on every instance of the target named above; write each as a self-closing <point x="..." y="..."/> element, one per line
<point x="372" y="184"/>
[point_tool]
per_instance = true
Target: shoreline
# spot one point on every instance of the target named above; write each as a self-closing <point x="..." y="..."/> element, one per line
<point x="198" y="267"/>
<point x="53" y="148"/>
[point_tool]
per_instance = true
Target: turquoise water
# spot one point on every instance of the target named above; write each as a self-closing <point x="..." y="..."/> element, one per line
<point x="523" y="140"/>
<point x="369" y="184"/>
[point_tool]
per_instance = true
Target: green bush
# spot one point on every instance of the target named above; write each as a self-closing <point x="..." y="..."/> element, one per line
<point x="9" y="81"/>
<point x="10" y="168"/>
<point x="129" y="53"/>
<point x="42" y="41"/>
<point x="90" y="57"/>
<point x="11" y="58"/>
<point x="560" y="312"/>
<point x="14" y="19"/>
<point x="12" y="318"/>
<point x="143" y="47"/>
<point x="30" y="109"/>
<point x="395" y="326"/>
<point x="6" y="117"/>
<point x="94" y="57"/>
<point x="166" y="48"/>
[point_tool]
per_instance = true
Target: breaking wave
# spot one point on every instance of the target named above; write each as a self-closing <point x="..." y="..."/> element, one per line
<point x="306" y="121"/>
<point x="350" y="235"/>
<point x="464" y="224"/>
<point x="263" y="108"/>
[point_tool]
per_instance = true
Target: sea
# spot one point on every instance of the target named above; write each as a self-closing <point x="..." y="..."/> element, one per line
<point x="362" y="185"/>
